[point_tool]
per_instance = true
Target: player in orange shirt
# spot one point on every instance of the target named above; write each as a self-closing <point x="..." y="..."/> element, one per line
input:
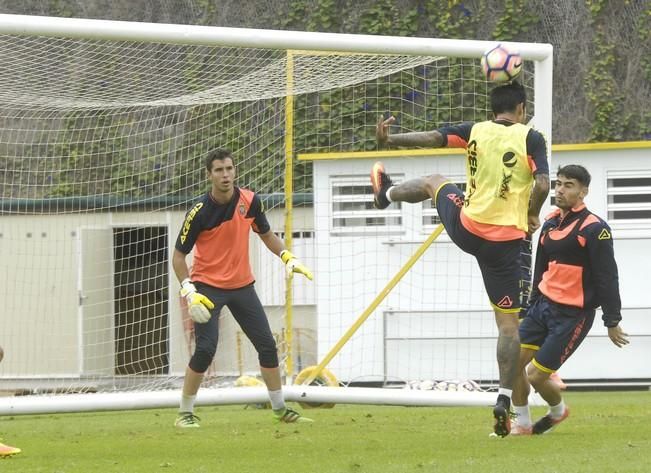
<point x="6" y="450"/>
<point x="575" y="272"/>
<point x="218" y="228"/>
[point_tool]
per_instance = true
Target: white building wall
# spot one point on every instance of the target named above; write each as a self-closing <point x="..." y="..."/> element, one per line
<point x="412" y="332"/>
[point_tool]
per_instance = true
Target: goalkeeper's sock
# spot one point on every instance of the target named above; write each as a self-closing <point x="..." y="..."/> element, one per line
<point x="187" y="403"/>
<point x="277" y="400"/>
<point x="523" y="415"/>
<point x="558" y="410"/>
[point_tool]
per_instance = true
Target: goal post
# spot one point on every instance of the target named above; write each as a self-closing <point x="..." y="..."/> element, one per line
<point x="103" y="130"/>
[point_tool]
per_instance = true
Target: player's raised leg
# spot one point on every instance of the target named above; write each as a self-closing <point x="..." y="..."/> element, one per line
<point x="411" y="191"/>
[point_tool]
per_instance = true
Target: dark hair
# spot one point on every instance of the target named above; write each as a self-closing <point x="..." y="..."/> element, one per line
<point x="575" y="171"/>
<point x="506" y="98"/>
<point x="218" y="154"/>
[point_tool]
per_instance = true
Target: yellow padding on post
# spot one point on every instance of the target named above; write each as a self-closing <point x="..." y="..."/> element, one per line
<point x="324" y="378"/>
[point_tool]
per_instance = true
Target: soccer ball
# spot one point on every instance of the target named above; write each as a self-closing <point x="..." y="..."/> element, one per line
<point x="499" y="64"/>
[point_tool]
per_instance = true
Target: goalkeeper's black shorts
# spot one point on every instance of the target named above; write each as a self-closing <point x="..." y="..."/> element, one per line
<point x="247" y="310"/>
<point x="555" y="331"/>
<point x="499" y="261"/>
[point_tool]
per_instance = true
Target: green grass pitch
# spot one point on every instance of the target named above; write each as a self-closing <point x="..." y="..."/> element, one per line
<point x="606" y="432"/>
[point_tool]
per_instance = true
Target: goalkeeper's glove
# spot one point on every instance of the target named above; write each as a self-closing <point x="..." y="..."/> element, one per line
<point x="293" y="265"/>
<point x="198" y="304"/>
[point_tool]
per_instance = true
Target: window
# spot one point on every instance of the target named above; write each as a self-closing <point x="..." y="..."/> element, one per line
<point x="629" y="198"/>
<point x="353" y="211"/>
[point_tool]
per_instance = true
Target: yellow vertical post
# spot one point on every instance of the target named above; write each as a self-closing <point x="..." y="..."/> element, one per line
<point x="289" y="190"/>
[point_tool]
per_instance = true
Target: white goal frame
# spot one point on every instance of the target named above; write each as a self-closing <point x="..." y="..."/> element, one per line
<point x="23" y="25"/>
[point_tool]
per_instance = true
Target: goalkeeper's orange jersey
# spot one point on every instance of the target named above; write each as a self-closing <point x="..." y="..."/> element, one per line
<point x="219" y="234"/>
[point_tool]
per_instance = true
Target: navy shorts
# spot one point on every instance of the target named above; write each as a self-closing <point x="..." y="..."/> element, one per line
<point x="499" y="261"/>
<point x="555" y="331"/>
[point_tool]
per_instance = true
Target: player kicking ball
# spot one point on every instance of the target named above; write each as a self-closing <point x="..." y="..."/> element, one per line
<point x="507" y="182"/>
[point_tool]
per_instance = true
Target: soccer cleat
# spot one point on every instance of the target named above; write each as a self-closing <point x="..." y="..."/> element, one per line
<point x="7" y="451"/>
<point x="290" y="416"/>
<point x="546" y="424"/>
<point x="502" y="426"/>
<point x="517" y="429"/>
<point x="380" y="182"/>
<point x="187" y="420"/>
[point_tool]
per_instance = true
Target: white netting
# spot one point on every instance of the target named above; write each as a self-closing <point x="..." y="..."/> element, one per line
<point x="101" y="153"/>
<point x="93" y="74"/>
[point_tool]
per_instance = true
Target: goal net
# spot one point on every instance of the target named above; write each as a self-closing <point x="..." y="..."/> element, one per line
<point x="104" y="128"/>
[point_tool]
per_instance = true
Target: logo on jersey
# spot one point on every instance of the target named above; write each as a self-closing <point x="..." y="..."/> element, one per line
<point x="505" y="185"/>
<point x="509" y="159"/>
<point x="505" y="302"/>
<point x="458" y="200"/>
<point x="188" y="221"/>
<point x="604" y="235"/>
<point x="242" y="209"/>
<point x="472" y="170"/>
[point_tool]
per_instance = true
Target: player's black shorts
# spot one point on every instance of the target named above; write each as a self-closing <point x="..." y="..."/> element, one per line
<point x="499" y="261"/>
<point x="555" y="331"/>
<point x="247" y="310"/>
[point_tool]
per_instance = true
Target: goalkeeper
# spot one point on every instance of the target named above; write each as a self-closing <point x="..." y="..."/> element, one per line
<point x="218" y="228"/>
<point x="575" y="272"/>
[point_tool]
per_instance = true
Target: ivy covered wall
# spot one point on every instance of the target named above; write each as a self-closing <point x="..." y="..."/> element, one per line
<point x="602" y="79"/>
<point x="602" y="75"/>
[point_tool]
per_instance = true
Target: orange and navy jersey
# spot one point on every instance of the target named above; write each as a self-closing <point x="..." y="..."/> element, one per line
<point x="502" y="158"/>
<point x="575" y="263"/>
<point x="219" y="234"/>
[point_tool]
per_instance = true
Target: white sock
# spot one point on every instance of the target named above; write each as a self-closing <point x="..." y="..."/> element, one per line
<point x="523" y="416"/>
<point x="507" y="392"/>
<point x="277" y="400"/>
<point x="389" y="193"/>
<point x="187" y="403"/>
<point x="557" y="410"/>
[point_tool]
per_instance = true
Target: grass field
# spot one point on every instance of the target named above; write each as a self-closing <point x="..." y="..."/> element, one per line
<point x="606" y="432"/>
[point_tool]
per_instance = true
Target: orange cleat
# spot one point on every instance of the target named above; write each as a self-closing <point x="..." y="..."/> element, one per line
<point x="7" y="451"/>
<point x="380" y="182"/>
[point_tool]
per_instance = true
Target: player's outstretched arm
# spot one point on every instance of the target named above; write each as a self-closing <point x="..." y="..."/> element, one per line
<point x="277" y="247"/>
<point x="425" y="139"/>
